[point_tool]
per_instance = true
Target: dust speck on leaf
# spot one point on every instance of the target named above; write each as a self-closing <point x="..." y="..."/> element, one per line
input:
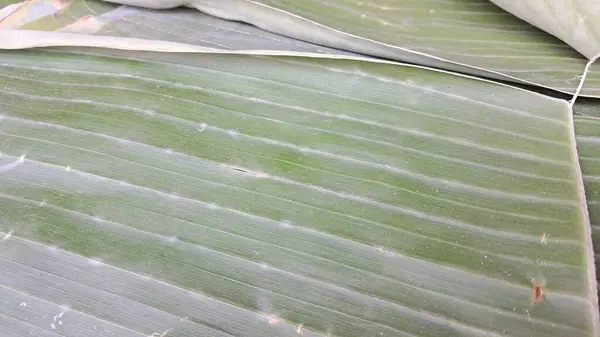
<point x="202" y="127"/>
<point x="272" y="319"/>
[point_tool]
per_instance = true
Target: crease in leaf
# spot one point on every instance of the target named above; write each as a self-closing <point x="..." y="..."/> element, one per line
<point x="577" y="22"/>
<point x="185" y="25"/>
<point x="22" y="39"/>
<point x="560" y="72"/>
<point x="324" y="24"/>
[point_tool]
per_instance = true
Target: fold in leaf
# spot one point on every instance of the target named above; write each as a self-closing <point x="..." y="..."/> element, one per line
<point x="183" y="25"/>
<point x="474" y="37"/>
<point x="492" y="43"/>
<point x="22" y="39"/>
<point x="234" y="194"/>
<point x="577" y="22"/>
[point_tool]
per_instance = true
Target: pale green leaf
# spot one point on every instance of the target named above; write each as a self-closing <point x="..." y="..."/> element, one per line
<point x="246" y="195"/>
<point x="473" y="37"/>
<point x="577" y="22"/>
<point x="588" y="144"/>
<point x="184" y="25"/>
<point x="589" y="107"/>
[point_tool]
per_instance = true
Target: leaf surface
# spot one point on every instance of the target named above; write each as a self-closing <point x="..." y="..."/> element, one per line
<point x="183" y="25"/>
<point x="577" y="22"/>
<point x="588" y="142"/>
<point x="474" y="37"/>
<point x="190" y="194"/>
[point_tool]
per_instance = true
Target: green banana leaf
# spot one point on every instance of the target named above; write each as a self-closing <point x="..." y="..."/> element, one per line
<point x="474" y="37"/>
<point x="587" y="108"/>
<point x="588" y="138"/>
<point x="179" y="25"/>
<point x="165" y="189"/>
<point x="588" y="143"/>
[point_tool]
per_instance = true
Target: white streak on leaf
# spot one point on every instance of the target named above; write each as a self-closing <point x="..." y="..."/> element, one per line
<point x="87" y="25"/>
<point x="12" y="165"/>
<point x="7" y="236"/>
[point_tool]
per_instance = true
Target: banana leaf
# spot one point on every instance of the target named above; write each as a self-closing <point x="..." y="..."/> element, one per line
<point x="178" y="25"/>
<point x="474" y="37"/>
<point x="576" y="22"/>
<point x="155" y="187"/>
<point x="588" y="140"/>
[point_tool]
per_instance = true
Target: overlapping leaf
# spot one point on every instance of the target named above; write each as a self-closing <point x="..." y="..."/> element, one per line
<point x="179" y="25"/>
<point x="474" y="37"/>
<point x="576" y="22"/>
